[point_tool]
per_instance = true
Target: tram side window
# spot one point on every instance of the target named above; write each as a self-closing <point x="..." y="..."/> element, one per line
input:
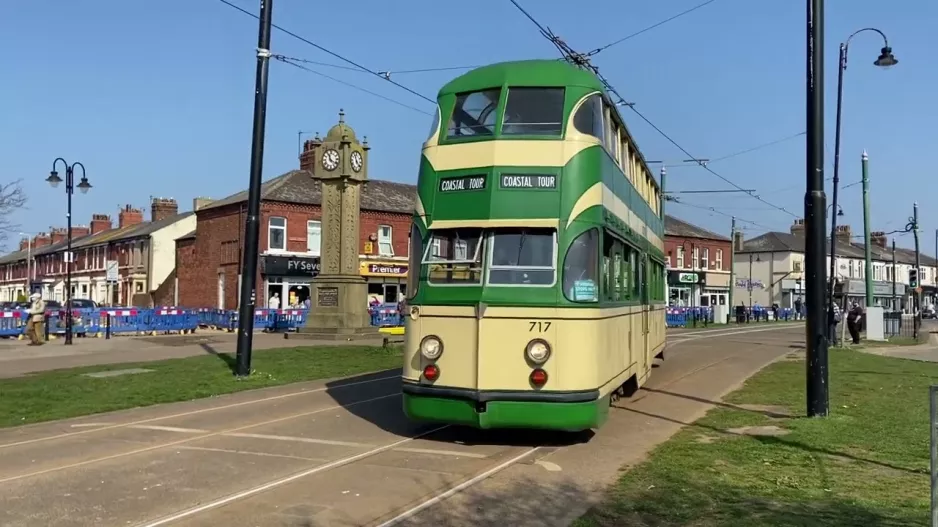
<point x="534" y="111"/>
<point x="580" y="280"/>
<point x="620" y="275"/>
<point x="416" y="251"/>
<point x="474" y="114"/>
<point x="454" y="257"/>
<point x="589" y="117"/>
<point x="524" y="257"/>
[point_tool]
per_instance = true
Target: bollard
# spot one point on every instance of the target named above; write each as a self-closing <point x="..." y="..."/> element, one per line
<point x="107" y="326"/>
<point x="46" y="336"/>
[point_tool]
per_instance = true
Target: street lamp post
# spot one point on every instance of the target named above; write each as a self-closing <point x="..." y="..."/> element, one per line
<point x="84" y="187"/>
<point x="885" y="60"/>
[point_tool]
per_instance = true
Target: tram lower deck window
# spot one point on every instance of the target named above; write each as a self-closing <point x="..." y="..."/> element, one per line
<point x="454" y="257"/>
<point x="523" y="257"/>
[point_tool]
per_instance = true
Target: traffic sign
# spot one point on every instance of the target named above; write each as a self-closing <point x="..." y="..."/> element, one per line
<point x="111" y="268"/>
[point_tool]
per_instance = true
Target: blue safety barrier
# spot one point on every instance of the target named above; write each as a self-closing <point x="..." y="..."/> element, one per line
<point x="100" y="321"/>
<point x="385" y="315"/>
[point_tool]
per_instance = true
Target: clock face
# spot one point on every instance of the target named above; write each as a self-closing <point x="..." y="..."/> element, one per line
<point x="357" y="161"/>
<point x="330" y="160"/>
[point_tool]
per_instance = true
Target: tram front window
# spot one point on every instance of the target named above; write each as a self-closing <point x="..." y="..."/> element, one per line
<point x="454" y="257"/>
<point x="523" y="257"/>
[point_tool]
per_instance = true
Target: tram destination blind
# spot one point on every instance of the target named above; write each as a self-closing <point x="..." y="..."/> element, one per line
<point x="528" y="181"/>
<point x="464" y="183"/>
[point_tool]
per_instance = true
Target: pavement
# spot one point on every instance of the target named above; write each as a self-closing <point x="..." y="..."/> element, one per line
<point x="927" y="351"/>
<point x="17" y="358"/>
<point x="341" y="453"/>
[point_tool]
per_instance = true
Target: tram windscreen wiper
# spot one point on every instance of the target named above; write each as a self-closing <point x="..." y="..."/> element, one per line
<point x="521" y="246"/>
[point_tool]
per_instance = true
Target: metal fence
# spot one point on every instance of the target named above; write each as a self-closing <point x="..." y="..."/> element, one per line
<point x="898" y="324"/>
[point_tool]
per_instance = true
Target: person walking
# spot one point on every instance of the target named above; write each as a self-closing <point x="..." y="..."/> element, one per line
<point x="34" y="325"/>
<point x="853" y="322"/>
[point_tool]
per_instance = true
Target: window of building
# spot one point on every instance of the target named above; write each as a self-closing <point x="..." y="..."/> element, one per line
<point x="680" y="257"/>
<point x="277" y="234"/>
<point x="313" y="237"/>
<point x="522" y="257"/>
<point x="797" y="266"/>
<point x="474" y="114"/>
<point x="696" y="259"/>
<point x="719" y="260"/>
<point x="705" y="259"/>
<point x="444" y="266"/>
<point x="580" y="269"/>
<point x="589" y="117"/>
<point x="534" y="111"/>
<point x="667" y="261"/>
<point x="385" y="247"/>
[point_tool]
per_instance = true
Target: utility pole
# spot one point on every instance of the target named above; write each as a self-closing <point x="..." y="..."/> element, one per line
<point x="867" y="250"/>
<point x="894" y="308"/>
<point x="252" y="224"/>
<point x="918" y="269"/>
<point x="733" y="265"/>
<point x="815" y="202"/>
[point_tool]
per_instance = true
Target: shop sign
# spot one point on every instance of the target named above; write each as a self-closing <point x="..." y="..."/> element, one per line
<point x="383" y="269"/>
<point x="683" y="278"/>
<point x="306" y="266"/>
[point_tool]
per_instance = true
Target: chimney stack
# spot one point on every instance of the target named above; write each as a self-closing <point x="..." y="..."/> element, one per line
<point x="100" y="223"/>
<point x="738" y="240"/>
<point x="310" y="153"/>
<point x="162" y="208"/>
<point x="797" y="228"/>
<point x="79" y="231"/>
<point x="41" y="240"/>
<point x="24" y="243"/>
<point x="843" y="234"/>
<point x="57" y="235"/>
<point x="129" y="216"/>
<point x="878" y="239"/>
<point x="200" y="202"/>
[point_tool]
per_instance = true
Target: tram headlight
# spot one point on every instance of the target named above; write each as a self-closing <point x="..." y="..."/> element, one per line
<point x="537" y="351"/>
<point x="431" y="347"/>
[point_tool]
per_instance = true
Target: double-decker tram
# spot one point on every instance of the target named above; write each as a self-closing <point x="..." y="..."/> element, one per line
<point x="537" y="271"/>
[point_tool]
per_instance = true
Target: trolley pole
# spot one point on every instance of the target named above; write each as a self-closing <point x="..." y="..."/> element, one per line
<point x="248" y="295"/>
<point x="733" y="265"/>
<point x="816" y="342"/>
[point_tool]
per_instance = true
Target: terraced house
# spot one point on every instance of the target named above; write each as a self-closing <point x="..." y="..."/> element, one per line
<point x="142" y="251"/>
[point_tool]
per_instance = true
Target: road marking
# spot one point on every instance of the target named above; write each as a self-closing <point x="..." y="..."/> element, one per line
<point x="247" y="453"/>
<point x="170" y="429"/>
<point x="465" y="484"/>
<point x="302" y="440"/>
<point x="678" y="339"/>
<point x="199" y="411"/>
<point x="548" y="466"/>
<point x="181" y="441"/>
<point x="431" y="451"/>
<point x="89" y="425"/>
<point x="288" y="479"/>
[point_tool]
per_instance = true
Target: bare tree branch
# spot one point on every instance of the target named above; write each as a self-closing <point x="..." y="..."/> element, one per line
<point x="12" y="199"/>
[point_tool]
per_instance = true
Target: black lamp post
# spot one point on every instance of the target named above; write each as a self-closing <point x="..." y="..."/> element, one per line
<point x="84" y="187"/>
<point x="885" y="60"/>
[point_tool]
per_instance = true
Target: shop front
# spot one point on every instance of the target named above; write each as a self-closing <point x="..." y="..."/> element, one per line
<point x="684" y="288"/>
<point x="883" y="294"/>
<point x="792" y="292"/>
<point x="716" y="289"/>
<point x="387" y="280"/>
<point x="289" y="278"/>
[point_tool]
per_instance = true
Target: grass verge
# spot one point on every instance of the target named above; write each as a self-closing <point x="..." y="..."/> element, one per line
<point x="68" y="393"/>
<point x="866" y="464"/>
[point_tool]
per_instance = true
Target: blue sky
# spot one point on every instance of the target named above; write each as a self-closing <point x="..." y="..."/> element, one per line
<point x="155" y="98"/>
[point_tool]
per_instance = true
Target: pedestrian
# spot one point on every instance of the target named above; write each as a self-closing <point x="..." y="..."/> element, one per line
<point x="797" y="309"/>
<point x="34" y="325"/>
<point x="274" y="302"/>
<point x="853" y="322"/>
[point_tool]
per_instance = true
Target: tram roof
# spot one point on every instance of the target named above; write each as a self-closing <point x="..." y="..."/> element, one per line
<point x="539" y="72"/>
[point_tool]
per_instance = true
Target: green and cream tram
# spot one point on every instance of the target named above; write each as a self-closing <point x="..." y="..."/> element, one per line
<point x="537" y="265"/>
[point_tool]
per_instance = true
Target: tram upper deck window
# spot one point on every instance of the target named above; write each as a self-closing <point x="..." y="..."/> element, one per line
<point x="474" y="114"/>
<point x="454" y="257"/>
<point x="523" y="257"/>
<point x="534" y="111"/>
<point x="589" y="117"/>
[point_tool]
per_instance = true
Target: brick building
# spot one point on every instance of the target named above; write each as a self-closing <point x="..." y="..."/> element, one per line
<point x="144" y="252"/>
<point x="698" y="264"/>
<point x="208" y="259"/>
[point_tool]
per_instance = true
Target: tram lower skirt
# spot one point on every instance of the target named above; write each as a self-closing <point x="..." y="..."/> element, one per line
<point x="508" y="414"/>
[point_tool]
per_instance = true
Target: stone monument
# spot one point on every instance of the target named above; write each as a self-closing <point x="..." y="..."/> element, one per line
<point x="338" y="296"/>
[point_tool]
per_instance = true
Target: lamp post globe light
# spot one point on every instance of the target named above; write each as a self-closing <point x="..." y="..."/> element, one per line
<point x="83" y="186"/>
<point x="885" y="60"/>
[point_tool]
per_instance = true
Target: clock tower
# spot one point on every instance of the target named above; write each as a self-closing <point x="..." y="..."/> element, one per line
<point x="338" y="296"/>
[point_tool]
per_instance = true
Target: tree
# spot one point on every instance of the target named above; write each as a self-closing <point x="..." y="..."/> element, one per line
<point x="12" y="199"/>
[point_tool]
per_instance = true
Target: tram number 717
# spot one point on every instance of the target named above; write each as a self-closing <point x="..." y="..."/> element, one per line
<point x="539" y="327"/>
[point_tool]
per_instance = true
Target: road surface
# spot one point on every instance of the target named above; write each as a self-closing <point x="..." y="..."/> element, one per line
<point x="341" y="453"/>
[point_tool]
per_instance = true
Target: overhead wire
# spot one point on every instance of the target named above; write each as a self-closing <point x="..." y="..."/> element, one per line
<point x="649" y="28"/>
<point x="332" y="53"/>
<point x="288" y="60"/>
<point x="721" y="213"/>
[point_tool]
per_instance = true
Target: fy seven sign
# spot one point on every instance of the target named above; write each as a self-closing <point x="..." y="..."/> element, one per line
<point x="456" y="184"/>
<point x="528" y="181"/>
